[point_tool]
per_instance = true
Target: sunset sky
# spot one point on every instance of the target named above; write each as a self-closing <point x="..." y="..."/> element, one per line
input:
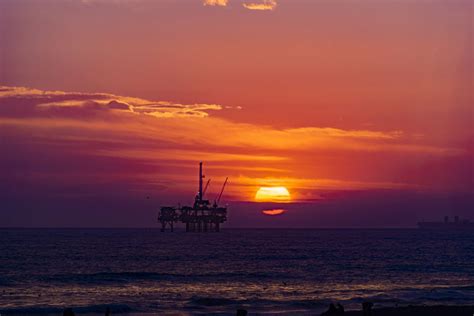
<point x="361" y="109"/>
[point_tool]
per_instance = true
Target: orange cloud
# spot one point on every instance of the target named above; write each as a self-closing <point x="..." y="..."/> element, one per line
<point x="55" y="101"/>
<point x="261" y="6"/>
<point x="169" y="137"/>
<point x="221" y="3"/>
<point x="190" y="124"/>
<point x="264" y="5"/>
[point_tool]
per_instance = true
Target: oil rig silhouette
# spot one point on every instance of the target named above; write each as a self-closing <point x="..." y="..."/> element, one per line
<point x="201" y="217"/>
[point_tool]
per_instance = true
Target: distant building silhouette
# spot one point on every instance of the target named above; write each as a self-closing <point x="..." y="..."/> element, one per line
<point x="457" y="224"/>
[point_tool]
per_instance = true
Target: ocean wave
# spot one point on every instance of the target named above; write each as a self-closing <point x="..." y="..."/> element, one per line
<point x="213" y="301"/>
<point x="125" y="277"/>
<point x="255" y="302"/>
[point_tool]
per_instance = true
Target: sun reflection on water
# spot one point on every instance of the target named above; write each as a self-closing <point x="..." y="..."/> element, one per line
<point x="274" y="212"/>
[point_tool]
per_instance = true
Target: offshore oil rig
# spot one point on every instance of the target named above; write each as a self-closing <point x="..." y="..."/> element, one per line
<point x="201" y="217"/>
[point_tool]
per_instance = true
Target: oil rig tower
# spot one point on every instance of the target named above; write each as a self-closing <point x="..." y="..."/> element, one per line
<point x="201" y="217"/>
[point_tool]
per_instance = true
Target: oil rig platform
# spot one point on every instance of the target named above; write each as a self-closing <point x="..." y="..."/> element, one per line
<point x="201" y="217"/>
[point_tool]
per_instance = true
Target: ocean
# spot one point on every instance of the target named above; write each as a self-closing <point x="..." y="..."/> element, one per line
<point x="270" y="271"/>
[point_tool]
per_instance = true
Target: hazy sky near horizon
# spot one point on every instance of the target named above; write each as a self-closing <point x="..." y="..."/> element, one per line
<point x="359" y="108"/>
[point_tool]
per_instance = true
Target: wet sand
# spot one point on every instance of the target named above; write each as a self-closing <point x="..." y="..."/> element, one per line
<point x="439" y="310"/>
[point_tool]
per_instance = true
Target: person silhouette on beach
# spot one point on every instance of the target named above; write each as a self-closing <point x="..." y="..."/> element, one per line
<point x="241" y="312"/>
<point x="367" y="308"/>
<point x="68" y="312"/>
<point x="339" y="309"/>
<point x="332" y="310"/>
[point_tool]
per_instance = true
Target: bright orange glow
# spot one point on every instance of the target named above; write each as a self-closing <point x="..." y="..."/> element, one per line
<point x="141" y="133"/>
<point x="274" y="212"/>
<point x="273" y="194"/>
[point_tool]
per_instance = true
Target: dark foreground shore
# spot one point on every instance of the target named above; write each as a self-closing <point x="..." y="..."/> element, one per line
<point x="439" y="310"/>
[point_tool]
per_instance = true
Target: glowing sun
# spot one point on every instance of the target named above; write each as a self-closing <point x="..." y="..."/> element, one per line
<point x="273" y="194"/>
